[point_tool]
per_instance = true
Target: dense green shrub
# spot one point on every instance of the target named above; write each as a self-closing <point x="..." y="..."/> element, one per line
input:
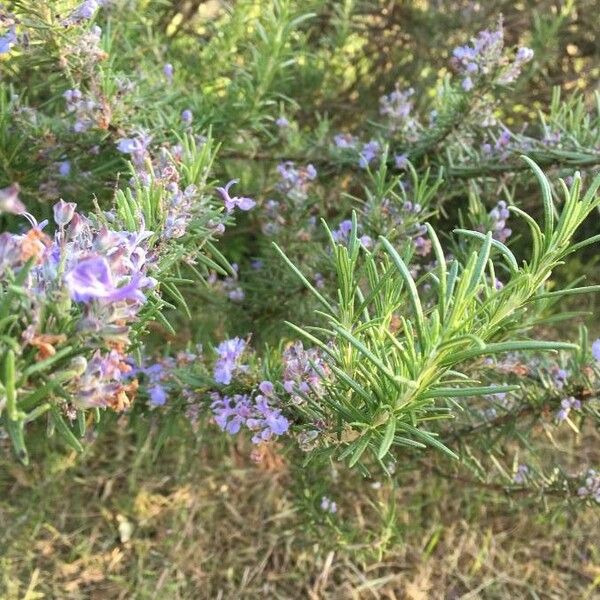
<point x="398" y="284"/>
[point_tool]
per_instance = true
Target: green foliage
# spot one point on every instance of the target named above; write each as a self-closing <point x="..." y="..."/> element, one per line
<point x="403" y="350"/>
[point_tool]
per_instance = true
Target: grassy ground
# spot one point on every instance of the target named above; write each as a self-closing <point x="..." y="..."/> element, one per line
<point x="118" y="523"/>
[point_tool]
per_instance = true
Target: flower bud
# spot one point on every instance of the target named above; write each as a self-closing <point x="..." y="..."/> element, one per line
<point x="187" y="116"/>
<point x="63" y="212"/>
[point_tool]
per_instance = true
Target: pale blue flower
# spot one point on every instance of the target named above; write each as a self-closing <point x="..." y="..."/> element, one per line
<point x="242" y="202"/>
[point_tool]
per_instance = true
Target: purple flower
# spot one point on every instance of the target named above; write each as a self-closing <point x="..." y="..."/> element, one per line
<point x="401" y="161"/>
<point x="8" y="40"/>
<point x="136" y="146"/>
<point x="344" y="141"/>
<point x="467" y="84"/>
<point x="521" y="475"/>
<point x="559" y="378"/>
<point x="158" y="373"/>
<point x="397" y="107"/>
<point x="422" y="245"/>
<point x="266" y="388"/>
<point x="295" y="180"/>
<point x="9" y="200"/>
<point x="168" y="71"/>
<point x="504" y="140"/>
<point x="231" y="412"/>
<point x="100" y="379"/>
<point x="366" y="241"/>
<point x="63" y="212"/>
<point x="91" y="279"/>
<point x="282" y="122"/>
<point x="499" y="215"/>
<point x="10" y="252"/>
<point x="158" y="395"/>
<point x="187" y="116"/>
<point x="84" y="12"/>
<point x="276" y="424"/>
<point x="591" y="487"/>
<point x="267" y="421"/>
<point x="230" y="203"/>
<point x="369" y="152"/>
<point x="596" y="349"/>
<point x="64" y="168"/>
<point x="236" y="295"/>
<point x="258" y="415"/>
<point x="482" y="56"/>
<point x="464" y="53"/>
<point x="524" y="54"/>
<point x="72" y="96"/>
<point x="230" y="352"/>
<point x="342" y="233"/>
<point x="300" y="378"/>
<point x="328" y="505"/>
<point x="566" y="405"/>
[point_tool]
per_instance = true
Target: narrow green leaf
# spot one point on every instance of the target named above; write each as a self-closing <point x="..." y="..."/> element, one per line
<point x="81" y="425"/>
<point x="9" y="385"/>
<point x="368" y="398"/>
<point x="546" y="197"/>
<point x="510" y="347"/>
<point x="359" y="449"/>
<point x="413" y="293"/>
<point x="575" y="247"/>
<point x="537" y="236"/>
<point x="469" y="391"/>
<point x="388" y="437"/>
<point x="442" y="269"/>
<point x="482" y="260"/>
<point x="588" y="289"/>
<point x="428" y="438"/>
<point x="37" y="412"/>
<point x="64" y="431"/>
<point x="15" y="429"/>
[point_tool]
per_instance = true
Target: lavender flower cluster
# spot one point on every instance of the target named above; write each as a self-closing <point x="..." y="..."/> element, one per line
<point x="229" y="359"/>
<point x="483" y="61"/>
<point x="88" y="111"/>
<point x="566" y="405"/>
<point x="101" y="274"/>
<point x="304" y="372"/>
<point x="162" y="169"/>
<point x="397" y="108"/>
<point x="259" y="414"/>
<point x="341" y="235"/>
<point x="591" y="487"/>
<point x="294" y="180"/>
<point x="158" y="379"/>
<point x="260" y="410"/>
<point x="485" y="57"/>
<point x="496" y="222"/>
<point x="8" y="29"/>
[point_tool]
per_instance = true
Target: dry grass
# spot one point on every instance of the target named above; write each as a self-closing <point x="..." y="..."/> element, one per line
<point x="119" y="524"/>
